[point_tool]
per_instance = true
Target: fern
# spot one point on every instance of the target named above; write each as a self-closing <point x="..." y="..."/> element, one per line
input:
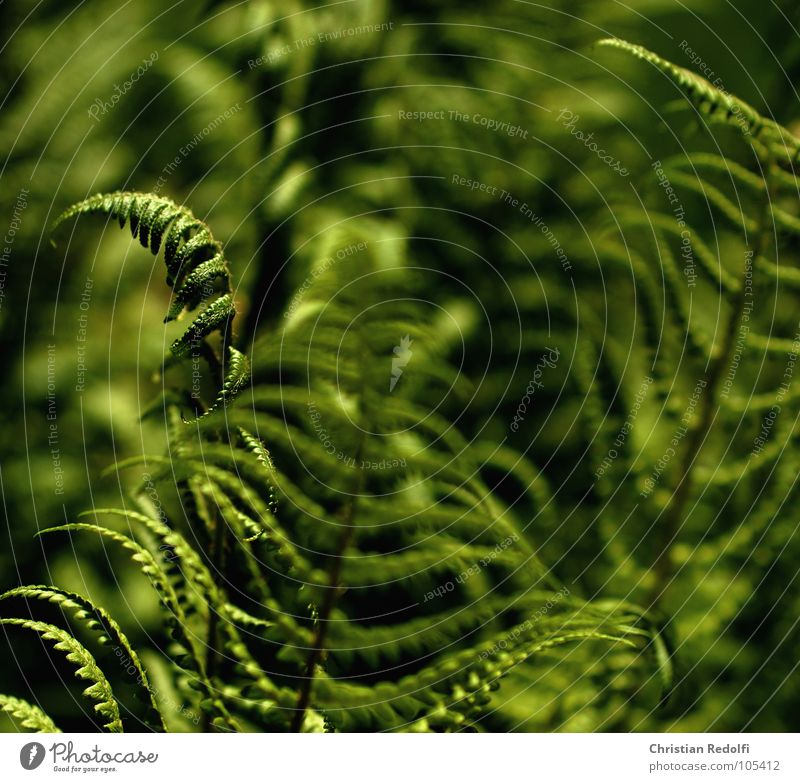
<point x="749" y="201"/>
<point x="197" y="271"/>
<point x="638" y="324"/>
<point x="27" y="715"/>
<point x="87" y="669"/>
<point x="312" y="502"/>
<point x="715" y="104"/>
<point x="99" y="621"/>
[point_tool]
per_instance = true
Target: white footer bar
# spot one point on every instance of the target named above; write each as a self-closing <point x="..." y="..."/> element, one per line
<point x="401" y="757"/>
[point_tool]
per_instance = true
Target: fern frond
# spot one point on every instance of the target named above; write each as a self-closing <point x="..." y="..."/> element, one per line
<point x="99" y="621"/>
<point x="400" y="510"/>
<point x="26" y="715"/>
<point x="87" y="669"/>
<point x="448" y="690"/>
<point x="713" y="102"/>
<point x="726" y="168"/>
<point x="140" y="555"/>
<point x="194" y="570"/>
<point x="197" y="270"/>
<point x="158" y="579"/>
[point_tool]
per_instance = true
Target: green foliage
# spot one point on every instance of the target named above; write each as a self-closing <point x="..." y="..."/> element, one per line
<point x="196" y="271"/>
<point x="716" y="105"/>
<point x="393" y="511"/>
<point x="98" y="620"/>
<point x="340" y="527"/>
<point x="87" y="669"/>
<point x="26" y="715"/>
<point x="702" y="370"/>
<point x="709" y="446"/>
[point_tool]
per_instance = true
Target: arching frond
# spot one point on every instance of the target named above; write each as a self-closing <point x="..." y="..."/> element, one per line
<point x="26" y="715"/>
<point x="99" y="689"/>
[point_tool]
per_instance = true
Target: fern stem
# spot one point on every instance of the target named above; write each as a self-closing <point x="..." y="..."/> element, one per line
<point x="212" y="636"/>
<point x="334" y="587"/>
<point x="213" y="361"/>
<point x="318" y="646"/>
<point x="674" y="513"/>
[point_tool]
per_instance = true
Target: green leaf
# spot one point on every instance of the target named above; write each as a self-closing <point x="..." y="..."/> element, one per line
<point x="100" y="622"/>
<point x="87" y="669"/>
<point x="26" y="715"/>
